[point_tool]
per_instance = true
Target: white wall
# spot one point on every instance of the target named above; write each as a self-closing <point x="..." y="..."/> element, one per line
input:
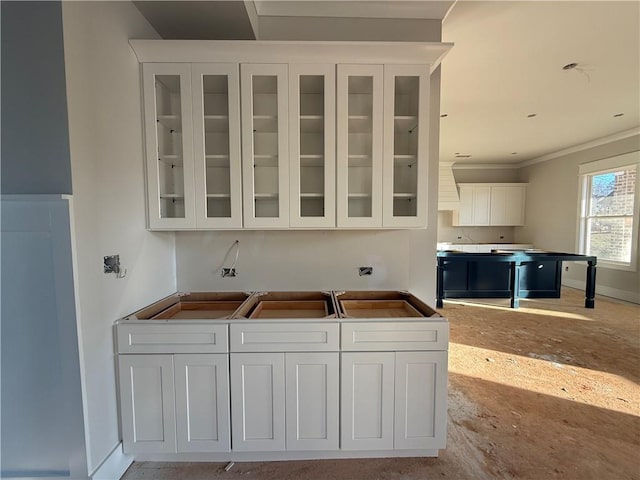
<point x="552" y="215"/>
<point x="105" y="127"/>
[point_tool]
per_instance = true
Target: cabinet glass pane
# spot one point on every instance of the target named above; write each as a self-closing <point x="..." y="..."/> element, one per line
<point x="265" y="145"/>
<point x="360" y="171"/>
<point x="169" y="136"/>
<point x="216" y="140"/>
<point x="312" y="161"/>
<point x="405" y="146"/>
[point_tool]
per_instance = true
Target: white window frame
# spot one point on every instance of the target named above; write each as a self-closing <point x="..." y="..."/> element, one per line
<point x="603" y="166"/>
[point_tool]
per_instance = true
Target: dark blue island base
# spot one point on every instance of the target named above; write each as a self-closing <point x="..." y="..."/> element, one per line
<point x="514" y="275"/>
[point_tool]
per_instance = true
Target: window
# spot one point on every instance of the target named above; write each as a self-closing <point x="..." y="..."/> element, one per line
<point x="609" y="210"/>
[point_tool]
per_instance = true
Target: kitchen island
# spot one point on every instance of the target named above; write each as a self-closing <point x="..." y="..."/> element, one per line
<point x="508" y="274"/>
<point x="283" y="376"/>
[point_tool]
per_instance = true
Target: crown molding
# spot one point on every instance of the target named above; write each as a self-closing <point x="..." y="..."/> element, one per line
<point x="483" y="166"/>
<point x="583" y="146"/>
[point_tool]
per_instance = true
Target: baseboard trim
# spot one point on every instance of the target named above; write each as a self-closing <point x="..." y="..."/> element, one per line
<point x="114" y="465"/>
<point x="625" y="295"/>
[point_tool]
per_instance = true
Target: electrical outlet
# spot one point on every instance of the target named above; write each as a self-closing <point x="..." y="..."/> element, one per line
<point x="229" y="272"/>
<point x="362" y="271"/>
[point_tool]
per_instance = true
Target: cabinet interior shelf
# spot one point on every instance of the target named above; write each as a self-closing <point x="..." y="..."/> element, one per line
<point x="360" y="161"/>
<point x="217" y="161"/>
<point x="265" y="196"/>
<point x="174" y="196"/>
<point x="404" y="160"/>
<point x="312" y="160"/>
<point x="216" y="123"/>
<point x="312" y="195"/>
<point x="265" y="160"/>
<point x="311" y="123"/>
<point x="405" y="195"/>
<point x="359" y="195"/>
<point x="171" y="122"/>
<point x="405" y="123"/>
<point x="218" y="195"/>
<point x="360" y="124"/>
<point x="265" y="123"/>
<point x="173" y="160"/>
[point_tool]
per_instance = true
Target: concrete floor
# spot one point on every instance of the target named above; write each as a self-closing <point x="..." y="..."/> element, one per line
<point x="547" y="391"/>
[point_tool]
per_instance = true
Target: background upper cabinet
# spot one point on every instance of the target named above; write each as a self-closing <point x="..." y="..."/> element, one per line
<point x="507" y="204"/>
<point x="265" y="145"/>
<point x="169" y="145"/>
<point x="312" y="127"/>
<point x="359" y="146"/>
<point x="491" y="204"/>
<point x="406" y="134"/>
<point x="216" y="144"/>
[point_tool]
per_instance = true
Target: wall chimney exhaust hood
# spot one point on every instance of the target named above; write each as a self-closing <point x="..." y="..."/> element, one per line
<point x="448" y="198"/>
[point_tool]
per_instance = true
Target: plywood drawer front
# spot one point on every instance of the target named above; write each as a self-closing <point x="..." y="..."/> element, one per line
<point x="391" y="336"/>
<point x="285" y="337"/>
<point x="203" y="338"/>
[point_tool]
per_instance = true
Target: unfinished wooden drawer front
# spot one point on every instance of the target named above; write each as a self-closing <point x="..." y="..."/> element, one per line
<point x="203" y="338"/>
<point x="389" y="336"/>
<point x="285" y="337"/>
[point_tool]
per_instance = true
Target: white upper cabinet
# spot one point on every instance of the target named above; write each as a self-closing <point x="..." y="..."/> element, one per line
<point x="216" y="143"/>
<point x="169" y="145"/>
<point x="359" y="146"/>
<point x="287" y="135"/>
<point x="406" y="134"/>
<point x="312" y="129"/>
<point x="491" y="204"/>
<point x="507" y="204"/>
<point x="265" y="145"/>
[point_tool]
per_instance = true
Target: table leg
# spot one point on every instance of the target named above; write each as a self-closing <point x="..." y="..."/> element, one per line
<point x="515" y="284"/>
<point x="590" y="290"/>
<point x="440" y="283"/>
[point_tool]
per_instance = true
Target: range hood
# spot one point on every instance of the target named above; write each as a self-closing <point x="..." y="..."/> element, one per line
<point x="448" y="198"/>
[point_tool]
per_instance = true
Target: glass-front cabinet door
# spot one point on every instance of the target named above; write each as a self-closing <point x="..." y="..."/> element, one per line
<point x="406" y="94"/>
<point x="312" y="145"/>
<point x="216" y="144"/>
<point x="359" y="146"/>
<point x="265" y="161"/>
<point x="169" y="145"/>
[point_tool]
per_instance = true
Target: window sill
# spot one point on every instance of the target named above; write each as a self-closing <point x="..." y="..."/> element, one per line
<point x="628" y="267"/>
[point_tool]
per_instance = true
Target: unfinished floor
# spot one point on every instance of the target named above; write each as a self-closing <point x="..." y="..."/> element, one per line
<point x="547" y="391"/>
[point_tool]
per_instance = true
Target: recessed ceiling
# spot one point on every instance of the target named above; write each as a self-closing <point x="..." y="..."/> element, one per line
<point x="434" y="10"/>
<point x="198" y="20"/>
<point x="507" y="65"/>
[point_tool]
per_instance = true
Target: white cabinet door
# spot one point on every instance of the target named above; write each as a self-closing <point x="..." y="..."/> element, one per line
<point x="406" y="152"/>
<point x="420" y="400"/>
<point x="475" y="205"/>
<point x="367" y="401"/>
<point x="359" y="146"/>
<point x="202" y="402"/>
<point x="507" y="204"/>
<point x="169" y="145"/>
<point x="312" y="401"/>
<point x="257" y="394"/>
<point x="147" y="403"/>
<point x="216" y="144"/>
<point x="265" y="145"/>
<point x="312" y="145"/>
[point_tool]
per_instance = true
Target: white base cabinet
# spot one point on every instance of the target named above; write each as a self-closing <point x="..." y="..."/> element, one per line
<point x="283" y="389"/>
<point x="174" y="403"/>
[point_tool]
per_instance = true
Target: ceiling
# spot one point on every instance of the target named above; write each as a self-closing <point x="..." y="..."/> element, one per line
<point x="506" y="65"/>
